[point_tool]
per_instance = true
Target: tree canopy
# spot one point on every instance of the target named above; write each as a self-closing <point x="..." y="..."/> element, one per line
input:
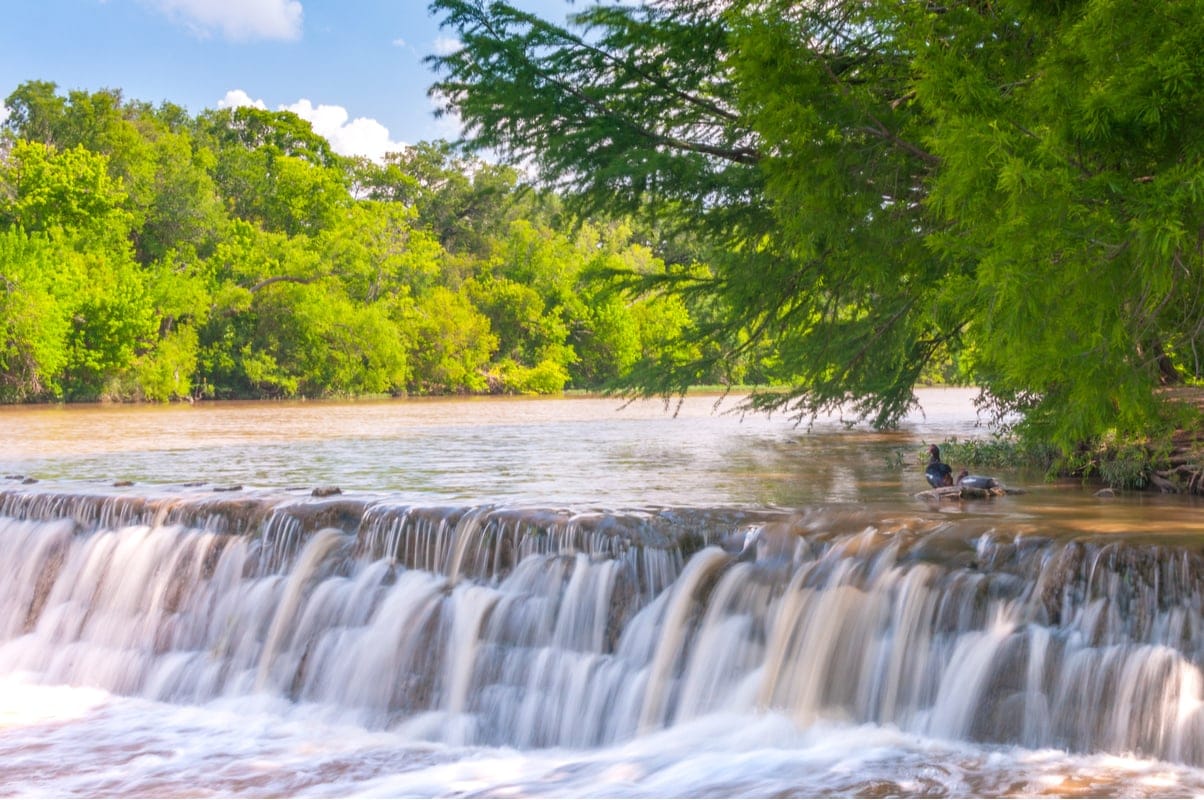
<point x="148" y="254"/>
<point x="833" y="201"/>
<point x="1004" y="193"/>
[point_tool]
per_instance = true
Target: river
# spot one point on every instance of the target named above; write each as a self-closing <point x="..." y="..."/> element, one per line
<point x="576" y="597"/>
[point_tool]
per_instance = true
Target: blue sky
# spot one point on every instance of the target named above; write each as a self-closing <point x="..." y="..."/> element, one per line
<point x="352" y="67"/>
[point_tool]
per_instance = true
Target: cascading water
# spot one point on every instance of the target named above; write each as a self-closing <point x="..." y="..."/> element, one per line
<point x="536" y="628"/>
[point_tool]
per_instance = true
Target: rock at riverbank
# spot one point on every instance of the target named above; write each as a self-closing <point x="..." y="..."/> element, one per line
<point x="947" y="493"/>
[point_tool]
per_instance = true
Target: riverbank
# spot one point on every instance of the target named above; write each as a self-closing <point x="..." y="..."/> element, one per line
<point x="1184" y="464"/>
<point x="1173" y="465"/>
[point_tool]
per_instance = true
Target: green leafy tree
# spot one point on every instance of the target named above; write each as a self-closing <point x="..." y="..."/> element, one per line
<point x="36" y="309"/>
<point x="282" y="324"/>
<point x="880" y="188"/>
<point x="151" y="255"/>
<point x="69" y="197"/>
<point x="35" y="112"/>
<point x="1072" y="167"/>
<point x="652" y="109"/>
<point x="273" y="169"/>
<point x="181" y="286"/>
<point x="465" y="202"/>
<point x="168" y="371"/>
<point x="376" y="250"/>
<point x="184" y="208"/>
<point x="311" y="340"/>
<point x="113" y="321"/>
<point x="276" y="132"/>
<point x="450" y="344"/>
<point x="606" y="331"/>
<point x="45" y="189"/>
<point x="532" y="349"/>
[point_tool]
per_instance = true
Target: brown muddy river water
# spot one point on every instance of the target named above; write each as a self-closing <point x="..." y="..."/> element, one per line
<point x="575" y="598"/>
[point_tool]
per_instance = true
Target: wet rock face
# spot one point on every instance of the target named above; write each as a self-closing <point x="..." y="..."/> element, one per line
<point x="343" y="514"/>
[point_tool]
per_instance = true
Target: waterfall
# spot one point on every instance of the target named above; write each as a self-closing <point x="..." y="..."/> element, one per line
<point x="533" y="627"/>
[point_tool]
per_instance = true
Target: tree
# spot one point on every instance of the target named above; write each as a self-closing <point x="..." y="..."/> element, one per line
<point x="635" y="110"/>
<point x="45" y="189"/>
<point x="183" y="207"/>
<point x="879" y="187"/>
<point x="464" y="201"/>
<point x="654" y="109"/>
<point x="1071" y="179"/>
<point x="378" y="254"/>
<point x="310" y="339"/>
<point x="36" y="308"/>
<point x="149" y="255"/>
<point x="113" y="321"/>
<point x="532" y="355"/>
<point x="273" y="169"/>
<point x="276" y="132"/>
<point x="35" y="110"/>
<point x="450" y="344"/>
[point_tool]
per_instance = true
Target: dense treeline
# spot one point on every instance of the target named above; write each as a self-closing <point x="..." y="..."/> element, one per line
<point x="149" y="254"/>
<point x="1011" y="187"/>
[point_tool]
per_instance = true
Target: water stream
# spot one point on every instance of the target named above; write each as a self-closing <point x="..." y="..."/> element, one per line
<point x="569" y="598"/>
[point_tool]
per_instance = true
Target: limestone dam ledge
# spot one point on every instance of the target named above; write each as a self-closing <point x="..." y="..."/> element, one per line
<point x="543" y="627"/>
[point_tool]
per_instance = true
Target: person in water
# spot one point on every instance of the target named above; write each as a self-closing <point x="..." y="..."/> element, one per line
<point x="937" y="472"/>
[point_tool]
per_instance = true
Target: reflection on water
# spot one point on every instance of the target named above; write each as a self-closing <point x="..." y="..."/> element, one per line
<point x="571" y="451"/>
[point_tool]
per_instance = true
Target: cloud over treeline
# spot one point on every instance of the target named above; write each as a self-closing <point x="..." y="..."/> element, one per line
<point x="361" y="136"/>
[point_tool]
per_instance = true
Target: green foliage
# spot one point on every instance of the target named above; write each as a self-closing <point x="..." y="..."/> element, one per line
<point x="112" y="321"/>
<point x="376" y="251"/>
<point x="268" y="133"/>
<point x="35" y="315"/>
<point x="1068" y="166"/>
<point x="633" y="109"/>
<point x="998" y="451"/>
<point x="35" y="110"/>
<point x="450" y="344"/>
<point x="152" y="255"/>
<point x="183" y="209"/>
<point x="607" y="341"/>
<point x="465" y="202"/>
<point x="1127" y="468"/>
<point x="166" y="372"/>
<point x="879" y="193"/>
<point x="43" y="189"/>
<point x="734" y="127"/>
<point x="547" y="377"/>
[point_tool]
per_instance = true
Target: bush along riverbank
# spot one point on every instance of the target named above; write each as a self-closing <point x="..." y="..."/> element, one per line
<point x="1173" y="464"/>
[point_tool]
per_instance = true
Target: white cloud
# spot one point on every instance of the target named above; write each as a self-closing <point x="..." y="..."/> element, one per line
<point x="361" y="136"/>
<point x="238" y="20"/>
<point x="446" y="45"/>
<point x="236" y="98"/>
<point x="399" y="42"/>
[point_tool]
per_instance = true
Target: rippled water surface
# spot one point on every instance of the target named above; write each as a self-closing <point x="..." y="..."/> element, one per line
<point x="544" y="450"/>
<point x="575" y="451"/>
